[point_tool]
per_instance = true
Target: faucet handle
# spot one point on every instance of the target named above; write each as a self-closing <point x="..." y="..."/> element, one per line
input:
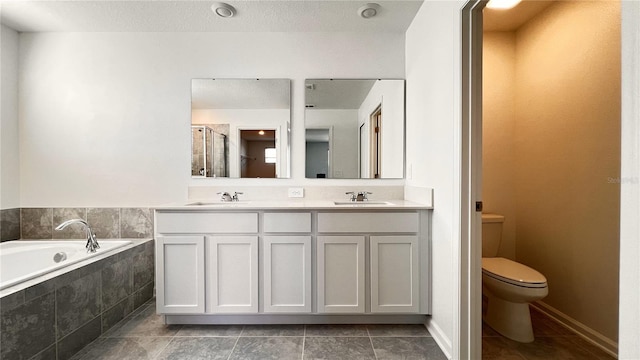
<point x="362" y="195"/>
<point x="353" y="195"/>
<point x="235" y="196"/>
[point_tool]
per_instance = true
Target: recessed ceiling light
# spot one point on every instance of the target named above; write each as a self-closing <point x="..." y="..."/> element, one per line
<point x="261" y="132"/>
<point x="502" y="4"/>
<point x="369" y="10"/>
<point x="223" y="10"/>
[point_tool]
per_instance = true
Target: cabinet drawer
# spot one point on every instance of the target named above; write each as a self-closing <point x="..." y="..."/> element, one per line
<point x="287" y="222"/>
<point x="396" y="222"/>
<point x="192" y="222"/>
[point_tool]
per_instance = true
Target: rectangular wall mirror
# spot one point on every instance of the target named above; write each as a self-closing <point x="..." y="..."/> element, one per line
<point x="240" y="128"/>
<point x="354" y="129"/>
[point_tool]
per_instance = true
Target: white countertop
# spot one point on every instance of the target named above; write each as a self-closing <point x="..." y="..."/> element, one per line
<point x="294" y="204"/>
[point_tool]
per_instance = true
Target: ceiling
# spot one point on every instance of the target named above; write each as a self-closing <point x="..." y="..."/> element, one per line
<point x="512" y="19"/>
<point x="196" y="16"/>
<point x="337" y="94"/>
<point x="240" y="94"/>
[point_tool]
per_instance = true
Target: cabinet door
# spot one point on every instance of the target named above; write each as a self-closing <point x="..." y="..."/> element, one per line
<point x="180" y="274"/>
<point x="341" y="274"/>
<point x="394" y="274"/>
<point x="287" y="274"/>
<point x="232" y="269"/>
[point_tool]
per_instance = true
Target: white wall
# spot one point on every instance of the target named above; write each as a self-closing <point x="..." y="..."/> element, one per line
<point x="433" y="149"/>
<point x="9" y="147"/>
<point x="629" y="325"/>
<point x="344" y="139"/>
<point x="389" y="94"/>
<point x="248" y="119"/>
<point x="105" y="116"/>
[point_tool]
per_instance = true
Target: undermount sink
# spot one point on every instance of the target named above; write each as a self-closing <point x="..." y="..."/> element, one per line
<point x="362" y="203"/>
<point x="217" y="203"/>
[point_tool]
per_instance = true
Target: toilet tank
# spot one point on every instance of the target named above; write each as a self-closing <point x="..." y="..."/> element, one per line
<point x="491" y="234"/>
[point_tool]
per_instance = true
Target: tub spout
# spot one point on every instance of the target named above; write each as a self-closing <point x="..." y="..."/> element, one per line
<point x="92" y="242"/>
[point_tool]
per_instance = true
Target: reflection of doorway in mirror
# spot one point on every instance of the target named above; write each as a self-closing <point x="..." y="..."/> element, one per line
<point x="257" y="158"/>
<point x="318" y="152"/>
<point x="376" y="143"/>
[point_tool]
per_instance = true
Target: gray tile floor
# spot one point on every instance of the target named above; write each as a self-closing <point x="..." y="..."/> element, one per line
<point x="552" y="341"/>
<point x="143" y="335"/>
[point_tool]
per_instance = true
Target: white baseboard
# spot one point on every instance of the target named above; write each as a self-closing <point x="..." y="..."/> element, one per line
<point x="592" y="336"/>
<point x="440" y="338"/>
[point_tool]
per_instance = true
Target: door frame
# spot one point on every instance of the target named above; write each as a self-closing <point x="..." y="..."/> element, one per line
<point x="470" y="255"/>
<point x="375" y="143"/>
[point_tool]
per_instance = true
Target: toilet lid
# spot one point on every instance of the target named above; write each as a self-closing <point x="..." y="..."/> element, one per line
<point x="512" y="272"/>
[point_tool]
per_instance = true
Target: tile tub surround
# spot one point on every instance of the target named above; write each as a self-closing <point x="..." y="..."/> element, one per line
<point x="143" y="336"/>
<point x="9" y="224"/>
<point x="107" y="223"/>
<point x="56" y="318"/>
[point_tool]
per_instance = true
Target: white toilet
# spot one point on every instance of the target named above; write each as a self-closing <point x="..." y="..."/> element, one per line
<point x="509" y="286"/>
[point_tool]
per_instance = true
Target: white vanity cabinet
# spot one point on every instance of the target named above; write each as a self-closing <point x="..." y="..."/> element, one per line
<point x="392" y="266"/>
<point x="232" y="274"/>
<point x="207" y="262"/>
<point x="180" y="274"/>
<point x="394" y="274"/>
<point x="341" y="274"/>
<point x="286" y="262"/>
<point x="231" y="265"/>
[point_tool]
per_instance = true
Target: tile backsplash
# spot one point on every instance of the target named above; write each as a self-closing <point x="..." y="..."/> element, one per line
<point x="107" y="223"/>
<point x="9" y="224"/>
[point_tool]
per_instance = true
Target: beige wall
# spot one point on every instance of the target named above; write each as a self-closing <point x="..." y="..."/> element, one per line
<point x="498" y="127"/>
<point x="566" y="149"/>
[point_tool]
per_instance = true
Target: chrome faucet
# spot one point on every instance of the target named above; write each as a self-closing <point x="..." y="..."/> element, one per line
<point x="360" y="196"/>
<point x="92" y="242"/>
<point x="225" y="196"/>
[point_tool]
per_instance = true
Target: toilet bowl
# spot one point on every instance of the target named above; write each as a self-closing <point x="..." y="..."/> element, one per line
<point x="508" y="285"/>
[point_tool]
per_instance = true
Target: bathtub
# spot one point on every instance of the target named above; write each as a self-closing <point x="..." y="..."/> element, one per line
<point x="24" y="260"/>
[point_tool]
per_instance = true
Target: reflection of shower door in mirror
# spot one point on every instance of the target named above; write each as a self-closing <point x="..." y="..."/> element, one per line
<point x="376" y="142"/>
<point x="220" y="150"/>
<point x="208" y="152"/>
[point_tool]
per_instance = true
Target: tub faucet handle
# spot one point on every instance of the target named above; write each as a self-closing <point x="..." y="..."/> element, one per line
<point x="235" y="196"/>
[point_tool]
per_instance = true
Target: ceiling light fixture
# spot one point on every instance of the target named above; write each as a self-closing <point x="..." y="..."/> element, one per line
<point x="369" y="10"/>
<point x="502" y="4"/>
<point x="223" y="10"/>
<point x="261" y="132"/>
